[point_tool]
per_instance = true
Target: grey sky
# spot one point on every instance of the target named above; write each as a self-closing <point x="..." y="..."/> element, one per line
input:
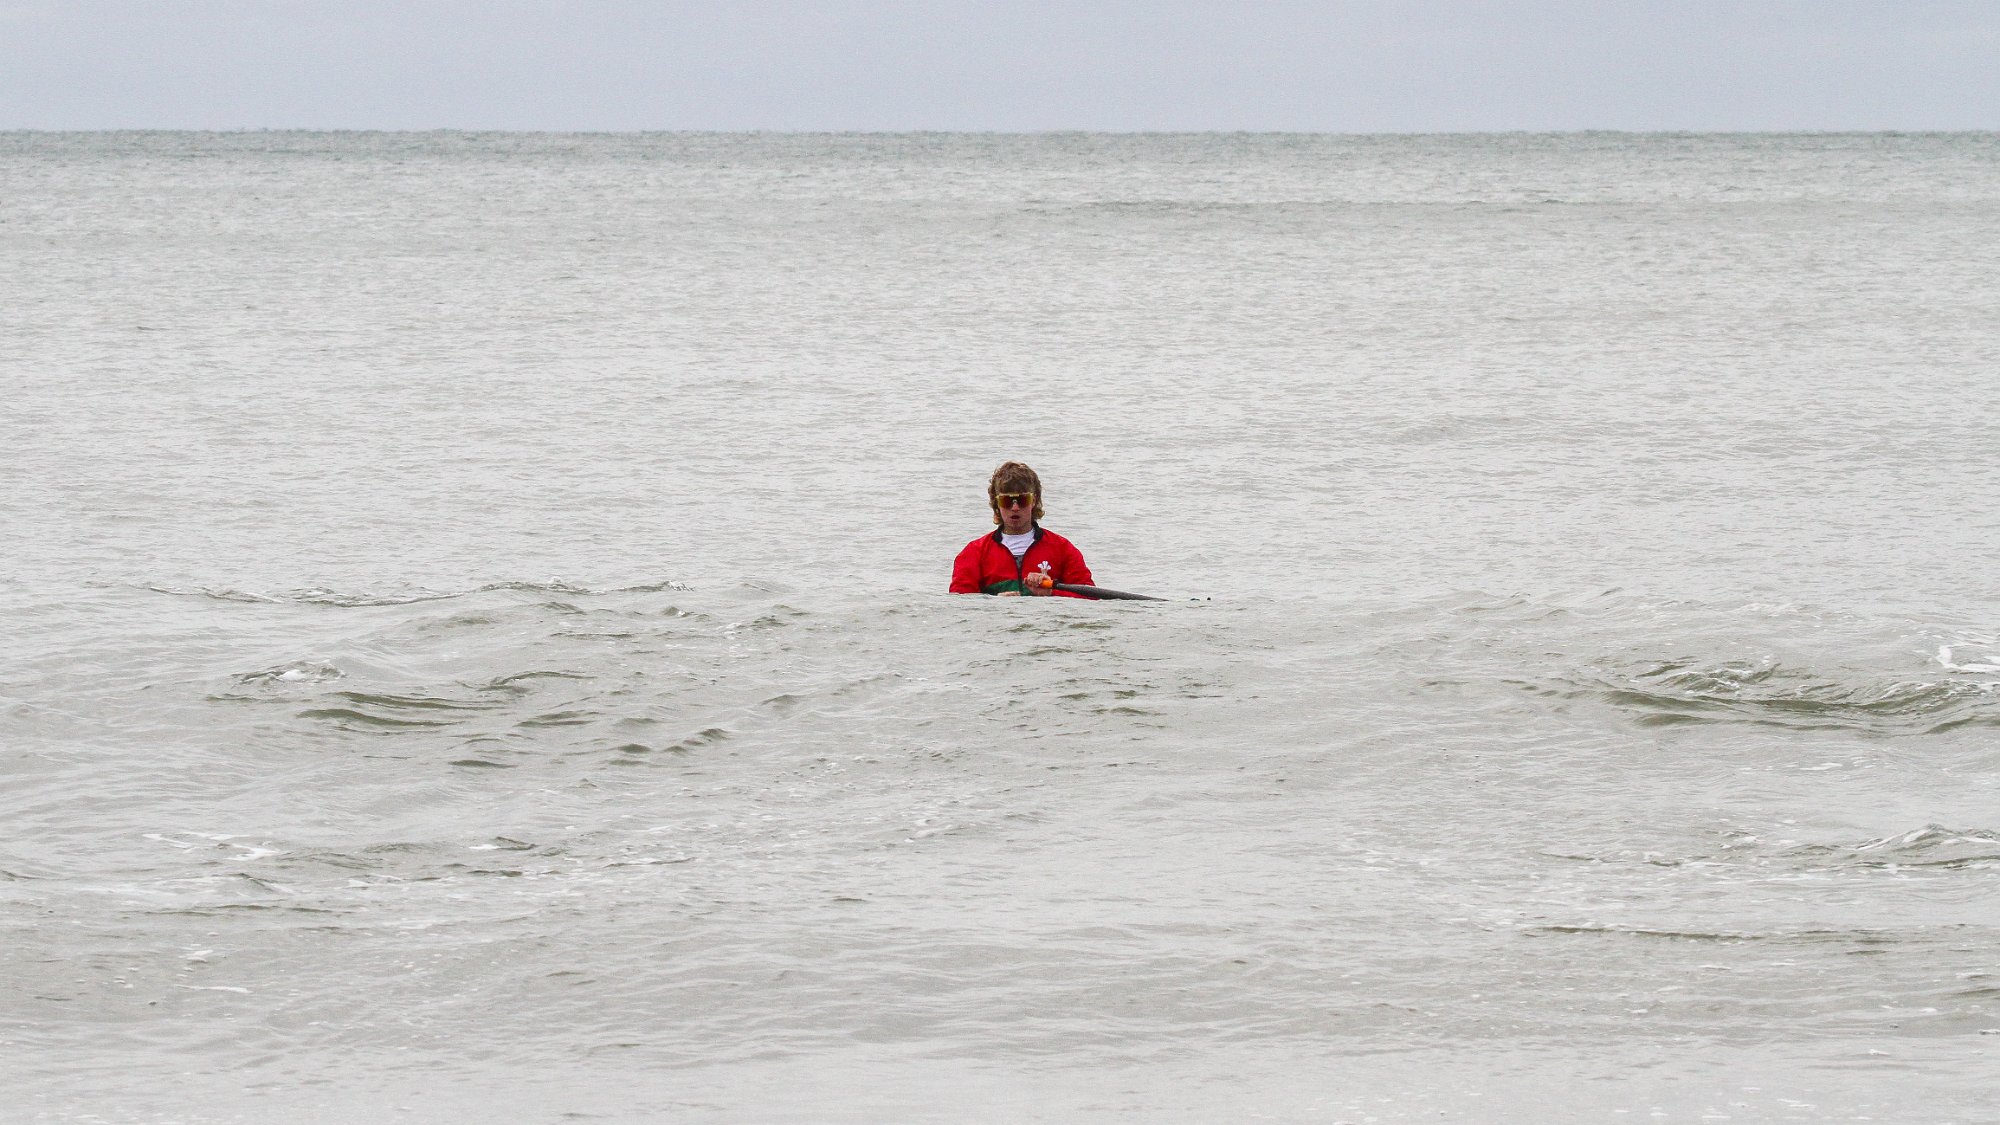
<point x="1333" y="66"/>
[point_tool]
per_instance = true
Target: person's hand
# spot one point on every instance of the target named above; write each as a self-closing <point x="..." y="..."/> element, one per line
<point x="1037" y="582"/>
<point x="1008" y="594"/>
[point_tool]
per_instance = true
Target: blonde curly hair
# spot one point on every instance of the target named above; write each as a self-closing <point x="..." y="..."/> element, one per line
<point x="1013" y="477"/>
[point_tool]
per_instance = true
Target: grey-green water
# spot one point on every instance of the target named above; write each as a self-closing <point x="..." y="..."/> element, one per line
<point x="472" y="643"/>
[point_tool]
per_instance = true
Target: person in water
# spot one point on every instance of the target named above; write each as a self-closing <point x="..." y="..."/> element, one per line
<point x="1020" y="556"/>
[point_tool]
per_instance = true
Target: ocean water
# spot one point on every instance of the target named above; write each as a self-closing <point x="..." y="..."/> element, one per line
<point x="473" y="643"/>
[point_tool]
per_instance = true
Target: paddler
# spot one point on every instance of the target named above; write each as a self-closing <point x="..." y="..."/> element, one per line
<point x="1020" y="556"/>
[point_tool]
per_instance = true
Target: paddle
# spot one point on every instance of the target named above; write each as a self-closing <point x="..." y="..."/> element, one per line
<point x="1103" y="594"/>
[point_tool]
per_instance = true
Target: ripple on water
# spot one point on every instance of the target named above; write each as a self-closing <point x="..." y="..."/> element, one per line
<point x="370" y="712"/>
<point x="356" y="599"/>
<point x="1933" y="848"/>
<point x="1809" y="669"/>
<point x="1773" y="694"/>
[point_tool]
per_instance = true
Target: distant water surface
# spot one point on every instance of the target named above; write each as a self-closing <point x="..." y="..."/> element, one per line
<point x="472" y="640"/>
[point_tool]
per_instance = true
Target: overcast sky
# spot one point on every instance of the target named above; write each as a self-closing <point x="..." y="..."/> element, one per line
<point x="1327" y="66"/>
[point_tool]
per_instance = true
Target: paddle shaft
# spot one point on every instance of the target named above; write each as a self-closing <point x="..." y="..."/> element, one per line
<point x="1103" y="594"/>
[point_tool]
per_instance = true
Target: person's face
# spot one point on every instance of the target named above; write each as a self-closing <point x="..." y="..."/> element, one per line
<point x="1017" y="511"/>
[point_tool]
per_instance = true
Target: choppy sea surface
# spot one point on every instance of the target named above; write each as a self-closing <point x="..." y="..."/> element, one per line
<point x="473" y="643"/>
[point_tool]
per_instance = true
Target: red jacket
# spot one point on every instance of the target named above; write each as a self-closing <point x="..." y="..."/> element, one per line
<point x="986" y="566"/>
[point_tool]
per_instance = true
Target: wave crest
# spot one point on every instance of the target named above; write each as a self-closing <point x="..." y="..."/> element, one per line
<point x="1770" y="693"/>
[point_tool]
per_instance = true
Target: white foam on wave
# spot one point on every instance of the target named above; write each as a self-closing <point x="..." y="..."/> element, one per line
<point x="1944" y="657"/>
<point x="249" y="852"/>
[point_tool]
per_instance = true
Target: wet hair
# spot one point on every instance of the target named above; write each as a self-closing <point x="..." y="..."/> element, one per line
<point x="1013" y="477"/>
